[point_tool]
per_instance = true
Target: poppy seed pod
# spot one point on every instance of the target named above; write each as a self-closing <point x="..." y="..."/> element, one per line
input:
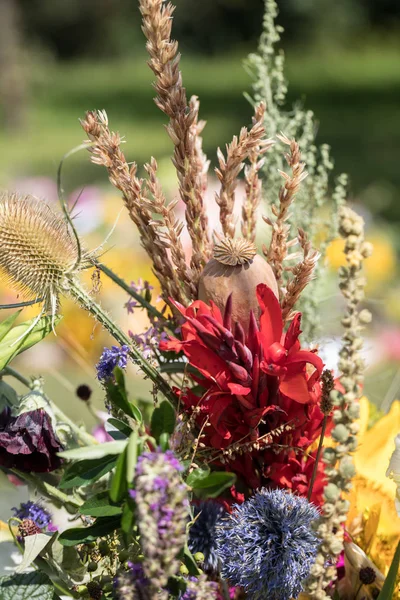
<point x="236" y="269"/>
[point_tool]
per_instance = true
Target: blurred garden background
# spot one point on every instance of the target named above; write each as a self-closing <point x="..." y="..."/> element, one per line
<point x="59" y="59"/>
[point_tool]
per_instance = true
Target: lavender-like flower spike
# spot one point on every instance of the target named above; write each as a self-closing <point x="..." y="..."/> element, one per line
<point x="200" y="588"/>
<point x="267" y="545"/>
<point x="162" y="515"/>
<point x="111" y="358"/>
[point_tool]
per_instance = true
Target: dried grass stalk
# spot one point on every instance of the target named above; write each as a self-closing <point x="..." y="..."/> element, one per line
<point x="253" y="184"/>
<point x="303" y="273"/>
<point x="278" y="247"/>
<point x="169" y="229"/>
<point x="183" y="128"/>
<point x="237" y="152"/>
<point x="106" y="151"/>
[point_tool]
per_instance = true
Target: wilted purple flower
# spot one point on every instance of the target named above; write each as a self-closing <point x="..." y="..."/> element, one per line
<point x="162" y="514"/>
<point x="267" y="545"/>
<point x="203" y="532"/>
<point x="112" y="357"/>
<point x="34" y="511"/>
<point x="28" y="442"/>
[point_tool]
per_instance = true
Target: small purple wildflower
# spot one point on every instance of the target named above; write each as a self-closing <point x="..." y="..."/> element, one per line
<point x="142" y="288"/>
<point x="111" y="358"/>
<point x="203" y="532"/>
<point x="149" y="340"/>
<point x="31" y="510"/>
<point x="162" y="511"/>
<point x="267" y="545"/>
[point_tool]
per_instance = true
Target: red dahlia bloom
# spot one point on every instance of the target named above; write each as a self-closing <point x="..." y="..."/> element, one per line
<point x="253" y="383"/>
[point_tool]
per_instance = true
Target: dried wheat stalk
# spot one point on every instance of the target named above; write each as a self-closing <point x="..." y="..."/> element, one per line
<point x="183" y="128"/>
<point x="237" y="152"/>
<point x="253" y="184"/>
<point x="302" y="275"/>
<point x="278" y="247"/>
<point x="106" y="151"/>
<point x="169" y="230"/>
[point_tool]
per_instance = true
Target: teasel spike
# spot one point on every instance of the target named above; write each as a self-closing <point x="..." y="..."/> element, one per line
<point x="39" y="257"/>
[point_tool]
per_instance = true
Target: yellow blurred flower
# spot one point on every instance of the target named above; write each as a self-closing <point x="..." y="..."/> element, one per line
<point x="379" y="267"/>
<point x="372" y="520"/>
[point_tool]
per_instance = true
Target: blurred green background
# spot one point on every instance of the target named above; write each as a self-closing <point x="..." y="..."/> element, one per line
<point x="60" y="58"/>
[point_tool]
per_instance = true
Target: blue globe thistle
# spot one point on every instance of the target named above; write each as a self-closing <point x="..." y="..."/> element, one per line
<point x="35" y="512"/>
<point x="267" y="545"/>
<point x="203" y="533"/>
<point x="111" y="358"/>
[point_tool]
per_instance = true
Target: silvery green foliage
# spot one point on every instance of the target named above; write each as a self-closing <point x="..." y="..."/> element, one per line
<point x="316" y="206"/>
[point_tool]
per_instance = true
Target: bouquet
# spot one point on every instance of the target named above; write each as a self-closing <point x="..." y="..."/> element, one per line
<point x="244" y="480"/>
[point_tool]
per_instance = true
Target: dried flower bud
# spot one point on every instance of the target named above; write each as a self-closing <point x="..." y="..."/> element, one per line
<point x="236" y="269"/>
<point x="28" y="527"/>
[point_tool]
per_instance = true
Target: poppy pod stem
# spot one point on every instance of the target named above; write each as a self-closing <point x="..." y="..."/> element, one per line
<point x="87" y="303"/>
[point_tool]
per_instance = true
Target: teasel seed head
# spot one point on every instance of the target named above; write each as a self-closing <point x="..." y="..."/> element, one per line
<point x="37" y="249"/>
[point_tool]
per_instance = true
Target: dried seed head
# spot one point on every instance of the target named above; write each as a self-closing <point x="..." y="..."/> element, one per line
<point x="234" y="252"/>
<point x="37" y="250"/>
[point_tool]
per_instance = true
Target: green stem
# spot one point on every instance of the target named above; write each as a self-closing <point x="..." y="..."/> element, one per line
<point x="101" y="316"/>
<point x="13" y="373"/>
<point x="122" y="284"/>
<point x="317" y="458"/>
<point x="47" y="489"/>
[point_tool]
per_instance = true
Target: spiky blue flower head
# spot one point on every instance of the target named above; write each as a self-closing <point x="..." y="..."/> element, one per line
<point x="267" y="545"/>
<point x="111" y="358"/>
<point x="203" y="533"/>
<point x="35" y="512"/>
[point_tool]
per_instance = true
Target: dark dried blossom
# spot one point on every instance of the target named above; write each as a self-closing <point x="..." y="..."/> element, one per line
<point x="162" y="514"/>
<point x="83" y="392"/>
<point x="267" y="545"/>
<point x="28" y="442"/>
<point x="28" y="527"/>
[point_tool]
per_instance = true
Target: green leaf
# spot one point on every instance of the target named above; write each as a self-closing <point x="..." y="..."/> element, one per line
<point x="213" y="485"/>
<point x="119" y="487"/>
<point x="163" y="419"/>
<point x="118" y="425"/>
<point x="137" y="413"/>
<point x="82" y="535"/>
<point x="128" y="520"/>
<point x="387" y="591"/>
<point x="95" y="451"/>
<point x="26" y="586"/>
<point x="116" y="392"/>
<point x="196" y="476"/>
<point x="33" y="546"/>
<point x="164" y="441"/>
<point x="8" y="396"/>
<point x="131" y="456"/>
<point x="85" y="472"/>
<point x="100" y="505"/>
<point x="6" y="325"/>
<point x="9" y="347"/>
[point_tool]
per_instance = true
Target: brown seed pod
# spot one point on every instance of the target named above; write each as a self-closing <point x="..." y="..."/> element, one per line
<point x="236" y="269"/>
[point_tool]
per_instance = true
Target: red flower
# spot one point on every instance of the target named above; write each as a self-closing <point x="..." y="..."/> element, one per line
<point x="253" y="383"/>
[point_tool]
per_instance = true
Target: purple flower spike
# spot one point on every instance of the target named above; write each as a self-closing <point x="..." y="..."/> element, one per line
<point x="111" y="358"/>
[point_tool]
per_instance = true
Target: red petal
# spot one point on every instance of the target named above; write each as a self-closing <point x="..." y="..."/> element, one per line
<point x="236" y="388"/>
<point x="306" y="356"/>
<point x="294" y="386"/>
<point x="293" y="332"/>
<point x="172" y="345"/>
<point x="271" y="324"/>
<point x="207" y="362"/>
